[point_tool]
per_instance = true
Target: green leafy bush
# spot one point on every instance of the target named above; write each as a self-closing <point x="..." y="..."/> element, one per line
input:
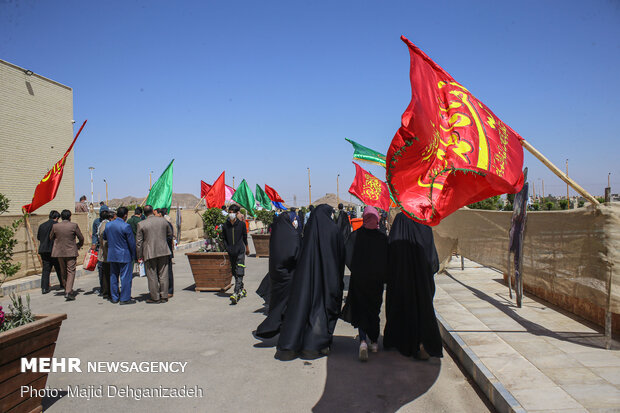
<point x="7" y="243"/>
<point x="19" y="313"/>
<point x="563" y="204"/>
<point x="266" y="217"/>
<point x="488" y="204"/>
<point x="549" y="205"/>
<point x="535" y="207"/>
<point x="212" y="220"/>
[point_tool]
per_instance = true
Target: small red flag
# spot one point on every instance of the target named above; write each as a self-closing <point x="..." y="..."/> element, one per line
<point x="204" y="188"/>
<point x="48" y="187"/>
<point x="217" y="193"/>
<point x="369" y="189"/>
<point x="273" y="194"/>
<point x="451" y="150"/>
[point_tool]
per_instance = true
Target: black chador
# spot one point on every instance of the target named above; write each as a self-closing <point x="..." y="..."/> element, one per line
<point x="284" y="247"/>
<point x="367" y="252"/>
<point x="410" y="315"/>
<point x="316" y="290"/>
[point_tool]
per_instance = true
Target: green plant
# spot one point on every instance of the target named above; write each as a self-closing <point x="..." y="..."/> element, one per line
<point x="266" y="217"/>
<point x="549" y="205"/>
<point x="243" y="212"/>
<point x="488" y="204"/>
<point x="212" y="220"/>
<point x="563" y="204"/>
<point x="7" y="243"/>
<point x="600" y="199"/>
<point x="535" y="207"/>
<point x="19" y="313"/>
<point x="580" y="204"/>
<point x="303" y="210"/>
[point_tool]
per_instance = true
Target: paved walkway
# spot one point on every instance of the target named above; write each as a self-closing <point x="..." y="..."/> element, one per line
<point x="545" y="358"/>
<point x="236" y="371"/>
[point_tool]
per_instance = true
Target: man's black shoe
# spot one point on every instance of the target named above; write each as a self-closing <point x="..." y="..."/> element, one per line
<point x="128" y="302"/>
<point x="45" y="291"/>
<point x="114" y="301"/>
<point x="69" y="297"/>
<point x="150" y="301"/>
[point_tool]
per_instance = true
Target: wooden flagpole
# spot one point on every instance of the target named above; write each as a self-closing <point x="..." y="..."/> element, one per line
<point x="32" y="240"/>
<point x="196" y="207"/>
<point x="558" y="172"/>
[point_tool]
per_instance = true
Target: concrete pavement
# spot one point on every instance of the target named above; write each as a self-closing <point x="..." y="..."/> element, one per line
<point x="536" y="358"/>
<point x="235" y="371"/>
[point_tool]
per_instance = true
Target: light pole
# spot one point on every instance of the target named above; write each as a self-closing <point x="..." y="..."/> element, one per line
<point x="309" y="189"/>
<point x="338" y="189"/>
<point x="233" y="182"/>
<point x="608" y="180"/>
<point x="150" y="180"/>
<point x="567" y="194"/>
<point x="92" y="196"/>
<point x="106" y="191"/>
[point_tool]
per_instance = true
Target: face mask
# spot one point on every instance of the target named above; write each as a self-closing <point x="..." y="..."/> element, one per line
<point x="232" y="216"/>
<point x="295" y="224"/>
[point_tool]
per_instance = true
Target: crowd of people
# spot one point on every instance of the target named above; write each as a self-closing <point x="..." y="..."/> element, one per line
<point x="123" y="244"/>
<point x="304" y="287"/>
<point x="305" y="284"/>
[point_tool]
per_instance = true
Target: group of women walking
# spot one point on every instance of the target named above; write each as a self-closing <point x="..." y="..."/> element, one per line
<point x="307" y="282"/>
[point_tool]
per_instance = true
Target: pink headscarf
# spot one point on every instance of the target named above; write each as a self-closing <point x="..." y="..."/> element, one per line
<point x="371" y="218"/>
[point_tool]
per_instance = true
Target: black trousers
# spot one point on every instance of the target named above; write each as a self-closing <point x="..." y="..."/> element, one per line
<point x="104" y="278"/>
<point x="49" y="262"/>
<point x="237" y="264"/>
<point x="170" y="276"/>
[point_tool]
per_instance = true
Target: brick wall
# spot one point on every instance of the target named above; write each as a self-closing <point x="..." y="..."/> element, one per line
<point x="35" y="131"/>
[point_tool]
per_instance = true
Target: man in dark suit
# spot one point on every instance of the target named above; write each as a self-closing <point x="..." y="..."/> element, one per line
<point x="45" y="251"/>
<point x="121" y="254"/>
<point x="152" y="248"/>
<point x="63" y="235"/>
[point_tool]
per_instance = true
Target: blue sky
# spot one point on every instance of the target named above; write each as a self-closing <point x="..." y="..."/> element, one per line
<point x="265" y="90"/>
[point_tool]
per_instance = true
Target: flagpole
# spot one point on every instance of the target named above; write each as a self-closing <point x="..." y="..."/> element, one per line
<point x="34" y="244"/>
<point x="338" y="189"/>
<point x="558" y="172"/>
<point x="196" y="207"/>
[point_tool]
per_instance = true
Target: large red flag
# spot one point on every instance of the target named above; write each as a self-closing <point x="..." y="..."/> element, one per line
<point x="217" y="193"/>
<point x="204" y="188"/>
<point x="369" y="189"/>
<point x="48" y="187"/>
<point x="451" y="149"/>
<point x="273" y="194"/>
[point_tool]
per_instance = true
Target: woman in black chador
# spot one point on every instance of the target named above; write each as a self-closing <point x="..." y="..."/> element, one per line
<point x="411" y="325"/>
<point x="316" y="290"/>
<point x="284" y="248"/>
<point x="367" y="251"/>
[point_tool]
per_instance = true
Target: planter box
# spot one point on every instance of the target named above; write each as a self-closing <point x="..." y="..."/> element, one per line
<point x="261" y="244"/>
<point x="211" y="270"/>
<point x="36" y="339"/>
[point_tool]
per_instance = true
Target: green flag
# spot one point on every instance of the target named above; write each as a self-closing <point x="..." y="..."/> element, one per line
<point x="262" y="198"/>
<point x="244" y="197"/>
<point x="160" y="195"/>
<point x="365" y="154"/>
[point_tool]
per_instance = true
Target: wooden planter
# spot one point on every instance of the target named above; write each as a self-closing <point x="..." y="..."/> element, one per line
<point x="261" y="244"/>
<point x="211" y="270"/>
<point x="36" y="339"/>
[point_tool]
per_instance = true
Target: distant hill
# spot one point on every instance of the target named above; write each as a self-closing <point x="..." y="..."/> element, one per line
<point x="183" y="200"/>
<point x="332" y="200"/>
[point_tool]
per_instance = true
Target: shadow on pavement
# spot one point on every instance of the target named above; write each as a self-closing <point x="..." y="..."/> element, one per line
<point x="584" y="339"/>
<point x="47" y="402"/>
<point x="385" y="383"/>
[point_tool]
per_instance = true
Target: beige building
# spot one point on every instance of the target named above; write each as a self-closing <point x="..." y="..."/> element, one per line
<point x="36" y="128"/>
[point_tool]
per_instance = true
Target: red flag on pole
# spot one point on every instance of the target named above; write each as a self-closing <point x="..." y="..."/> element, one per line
<point x="451" y="149"/>
<point x="48" y="187"/>
<point x="217" y="193"/>
<point x="369" y="189"/>
<point x="273" y="194"/>
<point x="204" y="188"/>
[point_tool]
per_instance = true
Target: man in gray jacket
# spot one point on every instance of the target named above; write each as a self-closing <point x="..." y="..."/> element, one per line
<point x="64" y="234"/>
<point x="152" y="249"/>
